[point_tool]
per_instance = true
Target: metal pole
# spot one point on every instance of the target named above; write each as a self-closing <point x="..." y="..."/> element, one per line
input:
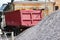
<point x="45" y="3"/>
<point x="45" y="8"/>
<point x="12" y="35"/>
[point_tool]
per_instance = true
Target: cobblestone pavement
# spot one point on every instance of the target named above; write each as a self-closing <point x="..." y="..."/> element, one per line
<point x="47" y="29"/>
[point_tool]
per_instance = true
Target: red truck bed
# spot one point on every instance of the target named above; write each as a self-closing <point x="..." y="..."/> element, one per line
<point x="23" y="17"/>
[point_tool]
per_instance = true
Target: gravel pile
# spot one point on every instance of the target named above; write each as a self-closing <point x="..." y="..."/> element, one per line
<point x="47" y="29"/>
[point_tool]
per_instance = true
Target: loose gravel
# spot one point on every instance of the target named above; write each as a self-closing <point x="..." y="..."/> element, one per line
<point x="47" y="29"/>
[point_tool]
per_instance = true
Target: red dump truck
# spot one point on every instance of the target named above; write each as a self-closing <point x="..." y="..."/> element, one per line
<point x="21" y="19"/>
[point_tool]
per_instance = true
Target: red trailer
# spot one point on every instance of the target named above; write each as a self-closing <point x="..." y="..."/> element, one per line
<point x="23" y="18"/>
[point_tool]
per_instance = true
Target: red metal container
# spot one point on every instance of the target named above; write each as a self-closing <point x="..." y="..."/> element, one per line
<point x="23" y="17"/>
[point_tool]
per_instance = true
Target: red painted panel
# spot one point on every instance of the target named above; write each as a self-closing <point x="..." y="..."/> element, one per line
<point x="12" y="18"/>
<point x="23" y="17"/>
